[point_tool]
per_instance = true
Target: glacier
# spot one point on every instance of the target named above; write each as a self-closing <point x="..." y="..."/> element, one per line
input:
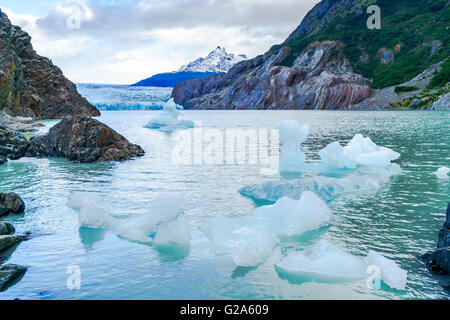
<point x="122" y="97"/>
<point x="168" y="120"/>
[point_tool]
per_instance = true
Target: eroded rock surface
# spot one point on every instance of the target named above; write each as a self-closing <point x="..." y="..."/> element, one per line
<point x="320" y="78"/>
<point x="10" y="273"/>
<point x="31" y="85"/>
<point x="83" y="139"/>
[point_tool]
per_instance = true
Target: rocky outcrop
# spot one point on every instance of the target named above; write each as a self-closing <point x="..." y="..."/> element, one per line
<point x="11" y="203"/>
<point x="31" y="85"/>
<point x="320" y="78"/>
<point x="6" y="228"/>
<point x="83" y="139"/>
<point x="9" y="274"/>
<point x="8" y="241"/>
<point x="438" y="261"/>
<point x="443" y="103"/>
<point x="12" y="144"/>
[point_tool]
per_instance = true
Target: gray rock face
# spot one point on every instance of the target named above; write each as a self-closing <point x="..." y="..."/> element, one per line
<point x="9" y="273"/>
<point x="83" y="139"/>
<point x="320" y="78"/>
<point x="9" y="241"/>
<point x="12" y="202"/>
<point x="31" y="85"/>
<point x="12" y="143"/>
<point x="443" y="103"/>
<point x="438" y="261"/>
<point x="6" y="228"/>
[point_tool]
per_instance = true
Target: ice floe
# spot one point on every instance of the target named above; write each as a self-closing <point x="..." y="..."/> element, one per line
<point x="163" y="225"/>
<point x="327" y="188"/>
<point x="442" y="173"/>
<point x="391" y="273"/>
<point x="326" y="262"/>
<point x="292" y="135"/>
<point x="360" y="151"/>
<point x="252" y="239"/>
<point x="169" y="120"/>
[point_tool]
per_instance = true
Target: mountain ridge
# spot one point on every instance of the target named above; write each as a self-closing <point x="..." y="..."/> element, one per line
<point x="218" y="61"/>
<point x="413" y="37"/>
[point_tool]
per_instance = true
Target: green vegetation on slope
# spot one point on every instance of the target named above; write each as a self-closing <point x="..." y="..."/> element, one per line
<point x="415" y="32"/>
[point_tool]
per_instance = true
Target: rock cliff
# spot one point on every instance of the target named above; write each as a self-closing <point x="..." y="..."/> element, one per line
<point x="31" y="85"/>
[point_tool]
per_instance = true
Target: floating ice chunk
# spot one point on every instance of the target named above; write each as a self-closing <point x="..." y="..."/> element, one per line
<point x="252" y="239"/>
<point x="168" y="120"/>
<point x="162" y="211"/>
<point x="288" y="217"/>
<point x="359" y="151"/>
<point x="323" y="262"/>
<point x="94" y="216"/>
<point x="255" y="250"/>
<point x="173" y="233"/>
<point x="292" y="135"/>
<point x="327" y="188"/>
<point x="391" y="273"/>
<point x="442" y="173"/>
<point x="79" y="199"/>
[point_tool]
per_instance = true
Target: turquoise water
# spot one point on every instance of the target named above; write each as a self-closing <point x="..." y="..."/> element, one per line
<point x="401" y="220"/>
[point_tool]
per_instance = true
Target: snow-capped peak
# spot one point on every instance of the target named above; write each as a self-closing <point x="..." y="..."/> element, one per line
<point x="217" y="61"/>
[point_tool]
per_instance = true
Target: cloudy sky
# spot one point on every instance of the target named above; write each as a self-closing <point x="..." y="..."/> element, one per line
<point x="124" y="41"/>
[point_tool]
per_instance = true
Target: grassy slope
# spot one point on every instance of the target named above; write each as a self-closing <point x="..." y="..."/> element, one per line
<point x="408" y="28"/>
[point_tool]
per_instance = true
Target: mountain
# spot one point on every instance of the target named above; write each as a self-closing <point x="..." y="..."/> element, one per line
<point x="218" y="61"/>
<point x="31" y="85"/>
<point x="333" y="61"/>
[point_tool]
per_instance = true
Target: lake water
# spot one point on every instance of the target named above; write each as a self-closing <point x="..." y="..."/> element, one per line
<point x="401" y="220"/>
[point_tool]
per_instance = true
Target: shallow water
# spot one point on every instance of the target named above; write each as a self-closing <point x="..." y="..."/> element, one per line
<point x="401" y="220"/>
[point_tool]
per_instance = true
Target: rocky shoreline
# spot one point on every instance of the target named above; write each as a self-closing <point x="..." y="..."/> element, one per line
<point x="10" y="203"/>
<point x="438" y="261"/>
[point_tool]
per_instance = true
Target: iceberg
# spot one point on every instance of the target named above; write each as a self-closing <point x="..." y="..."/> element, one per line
<point x="288" y="217"/>
<point x="391" y="273"/>
<point x="250" y="240"/>
<point x="163" y="225"/>
<point x="327" y="188"/>
<point x="360" y="151"/>
<point x="442" y="173"/>
<point x="168" y="120"/>
<point x="77" y="200"/>
<point x="292" y="135"/>
<point x="326" y="262"/>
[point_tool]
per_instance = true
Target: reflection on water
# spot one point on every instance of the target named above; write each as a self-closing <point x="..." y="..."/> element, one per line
<point x="401" y="220"/>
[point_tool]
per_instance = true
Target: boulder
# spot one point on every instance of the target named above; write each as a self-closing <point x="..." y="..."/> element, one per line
<point x="438" y="261"/>
<point x="12" y="144"/>
<point x="9" y="241"/>
<point x="9" y="273"/>
<point x="12" y="202"/>
<point x="6" y="228"/>
<point x="83" y="139"/>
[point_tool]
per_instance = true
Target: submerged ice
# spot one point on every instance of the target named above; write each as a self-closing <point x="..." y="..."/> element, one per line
<point x="250" y="240"/>
<point x="163" y="225"/>
<point x="168" y="120"/>
<point x="442" y="173"/>
<point x="326" y="262"/>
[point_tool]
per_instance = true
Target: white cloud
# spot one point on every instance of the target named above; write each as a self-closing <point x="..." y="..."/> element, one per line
<point x="124" y="41"/>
